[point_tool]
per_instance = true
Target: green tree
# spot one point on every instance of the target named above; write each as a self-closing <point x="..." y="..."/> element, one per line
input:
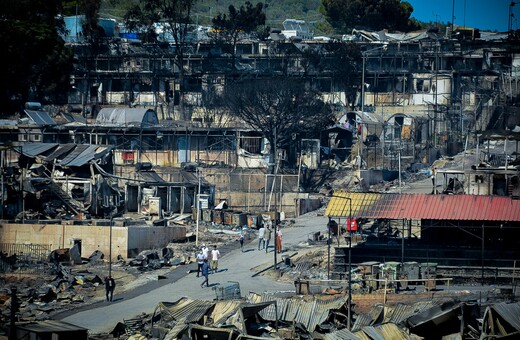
<point x="278" y="107"/>
<point x="36" y="63"/>
<point x="241" y="21"/>
<point x="90" y="27"/>
<point x="344" y="15"/>
<point x="175" y="16"/>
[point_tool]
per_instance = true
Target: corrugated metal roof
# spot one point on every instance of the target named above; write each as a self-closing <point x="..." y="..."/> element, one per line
<point x="399" y="313"/>
<point x="40" y="117"/>
<point x="46" y="326"/>
<point x="309" y="311"/>
<point x="343" y="334"/>
<point x="510" y="312"/>
<point x="362" y="320"/>
<point x="424" y="206"/>
<point x="80" y="156"/>
<point x="174" y="332"/>
<point x="35" y="149"/>
<point x="62" y="149"/>
<point x="188" y="309"/>
<point x="386" y="331"/>
<point x="66" y="154"/>
<point x="366" y="319"/>
<point x="223" y="310"/>
<point x="150" y="176"/>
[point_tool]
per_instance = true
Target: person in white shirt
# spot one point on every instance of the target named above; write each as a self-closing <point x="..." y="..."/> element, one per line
<point x="215" y="255"/>
<point x="261" y="233"/>
<point x="205" y="250"/>
<point x="200" y="261"/>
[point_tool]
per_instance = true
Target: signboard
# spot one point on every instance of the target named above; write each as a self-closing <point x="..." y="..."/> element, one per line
<point x="351" y="224"/>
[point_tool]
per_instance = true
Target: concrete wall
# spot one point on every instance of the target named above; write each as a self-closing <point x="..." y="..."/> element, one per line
<point x="259" y="201"/>
<point x="152" y="237"/>
<point x="92" y="237"/>
<point x="371" y="177"/>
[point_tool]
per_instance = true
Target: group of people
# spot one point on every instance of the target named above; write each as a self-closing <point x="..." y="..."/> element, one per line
<point x="207" y="260"/>
<point x="264" y="237"/>
<point x="203" y="266"/>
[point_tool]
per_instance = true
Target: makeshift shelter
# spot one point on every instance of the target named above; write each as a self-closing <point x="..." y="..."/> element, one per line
<point x="127" y="116"/>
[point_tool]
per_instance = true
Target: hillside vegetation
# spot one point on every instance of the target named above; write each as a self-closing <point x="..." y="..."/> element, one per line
<point x="277" y="10"/>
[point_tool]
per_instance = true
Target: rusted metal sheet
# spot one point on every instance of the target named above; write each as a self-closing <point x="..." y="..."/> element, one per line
<point x="423" y="206"/>
<point x="310" y="311"/>
<point x="385" y="331"/>
<point x="501" y="320"/>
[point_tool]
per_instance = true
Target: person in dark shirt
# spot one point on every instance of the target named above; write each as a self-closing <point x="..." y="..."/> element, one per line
<point x="205" y="273"/>
<point x="110" y="285"/>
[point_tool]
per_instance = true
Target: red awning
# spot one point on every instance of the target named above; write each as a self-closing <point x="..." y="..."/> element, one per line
<point x="424" y="206"/>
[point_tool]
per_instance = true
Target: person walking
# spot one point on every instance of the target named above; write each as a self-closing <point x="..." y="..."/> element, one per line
<point x="110" y="285"/>
<point x="278" y="241"/>
<point x="200" y="261"/>
<point x="241" y="239"/>
<point x="261" y="233"/>
<point x="205" y="273"/>
<point x="267" y="237"/>
<point x="205" y="250"/>
<point x="215" y="256"/>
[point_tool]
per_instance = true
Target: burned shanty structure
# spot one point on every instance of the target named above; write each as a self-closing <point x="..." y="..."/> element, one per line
<point x="320" y="316"/>
<point x="493" y="170"/>
<point x="61" y="181"/>
<point x="462" y="231"/>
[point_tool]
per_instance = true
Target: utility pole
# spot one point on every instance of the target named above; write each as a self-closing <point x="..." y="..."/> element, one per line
<point x="14" y="309"/>
<point x="110" y="245"/>
<point x="198" y="210"/>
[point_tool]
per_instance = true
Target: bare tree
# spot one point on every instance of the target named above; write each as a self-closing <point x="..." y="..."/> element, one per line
<point x="279" y="108"/>
<point x="212" y="105"/>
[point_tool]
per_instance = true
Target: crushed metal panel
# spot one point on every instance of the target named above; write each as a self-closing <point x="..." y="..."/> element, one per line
<point x="223" y="310"/>
<point x="249" y="309"/>
<point x="185" y="308"/>
<point x="362" y="320"/>
<point x="438" y="320"/>
<point x="36" y="149"/>
<point x="308" y="310"/>
<point x="180" y="327"/>
<point x="343" y="334"/>
<point x="399" y="313"/>
<point x="386" y="331"/>
<point x="374" y="315"/>
<point x="501" y="319"/>
<point x="203" y="332"/>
